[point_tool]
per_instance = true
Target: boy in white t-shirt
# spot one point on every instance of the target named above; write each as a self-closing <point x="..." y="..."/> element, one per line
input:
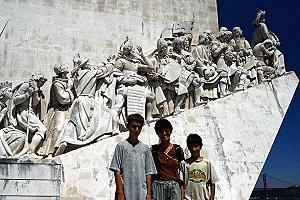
<point x="198" y="174"/>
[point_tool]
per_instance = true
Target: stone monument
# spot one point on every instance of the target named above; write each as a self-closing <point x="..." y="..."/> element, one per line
<point x="210" y="87"/>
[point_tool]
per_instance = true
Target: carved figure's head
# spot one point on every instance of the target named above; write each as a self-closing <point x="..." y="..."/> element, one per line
<point x="61" y="69"/>
<point x="223" y="29"/>
<point x="268" y="44"/>
<point x="237" y="32"/>
<point x="162" y="46"/>
<point x="227" y="36"/>
<point x="127" y="47"/>
<point x="260" y="18"/>
<point x="39" y="79"/>
<point x="224" y="34"/>
<point x="229" y="57"/>
<point x="203" y="38"/>
<point x="80" y="62"/>
<point x="209" y="35"/>
<point x="179" y="43"/>
<point x="6" y="90"/>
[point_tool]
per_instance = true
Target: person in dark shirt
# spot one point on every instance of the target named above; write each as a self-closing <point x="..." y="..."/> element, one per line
<point x="167" y="157"/>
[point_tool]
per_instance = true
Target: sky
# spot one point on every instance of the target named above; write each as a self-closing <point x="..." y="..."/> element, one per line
<point x="282" y="18"/>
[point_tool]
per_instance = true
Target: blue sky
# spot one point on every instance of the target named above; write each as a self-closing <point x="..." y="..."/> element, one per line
<point x="282" y="18"/>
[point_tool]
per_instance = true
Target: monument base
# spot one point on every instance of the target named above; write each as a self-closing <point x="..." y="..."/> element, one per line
<point x="30" y="179"/>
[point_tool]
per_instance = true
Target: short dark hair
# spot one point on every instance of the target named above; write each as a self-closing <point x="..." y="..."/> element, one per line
<point x="135" y="117"/>
<point x="161" y="125"/>
<point x="193" y="139"/>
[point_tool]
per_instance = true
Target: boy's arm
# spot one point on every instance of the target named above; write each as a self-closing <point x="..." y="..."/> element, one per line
<point x="182" y="192"/>
<point x="212" y="191"/>
<point x="183" y="179"/>
<point x="120" y="195"/>
<point x="149" y="187"/>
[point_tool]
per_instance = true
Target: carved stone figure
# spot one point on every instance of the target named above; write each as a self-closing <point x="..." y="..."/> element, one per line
<point x="189" y="80"/>
<point x="11" y="139"/>
<point x="261" y="32"/>
<point x="5" y="96"/>
<point x="231" y="75"/>
<point x="163" y="78"/>
<point x="28" y="99"/>
<point x="61" y="98"/>
<point x="205" y="67"/>
<point x="130" y="68"/>
<point x="89" y="118"/>
<point x="244" y="56"/>
<point x="271" y="58"/>
<point x="218" y="48"/>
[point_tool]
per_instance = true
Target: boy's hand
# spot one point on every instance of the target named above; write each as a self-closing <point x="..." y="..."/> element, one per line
<point x="148" y="197"/>
<point x="120" y="196"/>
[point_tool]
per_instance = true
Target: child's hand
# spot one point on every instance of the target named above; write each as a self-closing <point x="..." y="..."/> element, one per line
<point x="148" y="197"/>
<point x="120" y="196"/>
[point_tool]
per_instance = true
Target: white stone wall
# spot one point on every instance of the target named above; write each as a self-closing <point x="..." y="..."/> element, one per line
<point x="43" y="33"/>
<point x="29" y="179"/>
<point x="237" y="131"/>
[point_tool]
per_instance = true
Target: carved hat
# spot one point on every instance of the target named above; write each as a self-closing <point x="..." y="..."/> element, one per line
<point x="38" y="77"/>
<point x="161" y="42"/>
<point x="83" y="61"/>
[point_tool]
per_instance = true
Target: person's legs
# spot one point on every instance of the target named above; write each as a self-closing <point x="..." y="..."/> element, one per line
<point x="175" y="191"/>
<point x="166" y="190"/>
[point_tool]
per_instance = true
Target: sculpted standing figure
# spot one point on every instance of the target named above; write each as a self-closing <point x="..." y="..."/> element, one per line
<point x="205" y="67"/>
<point x="5" y="96"/>
<point x="27" y="99"/>
<point x="87" y="116"/>
<point x="218" y="49"/>
<point x="231" y="75"/>
<point x="261" y="32"/>
<point x="164" y="77"/>
<point x="61" y="98"/>
<point x="131" y="67"/>
<point x="11" y="139"/>
<point x="188" y="80"/>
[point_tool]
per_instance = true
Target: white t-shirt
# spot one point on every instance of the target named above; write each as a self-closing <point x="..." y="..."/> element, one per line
<point x="195" y="175"/>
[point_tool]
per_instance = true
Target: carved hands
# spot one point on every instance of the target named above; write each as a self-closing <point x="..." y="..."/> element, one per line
<point x="32" y="87"/>
<point x="140" y="51"/>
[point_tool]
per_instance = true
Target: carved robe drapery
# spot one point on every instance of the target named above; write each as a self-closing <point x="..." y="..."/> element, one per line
<point x="60" y="101"/>
<point x="88" y="117"/>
